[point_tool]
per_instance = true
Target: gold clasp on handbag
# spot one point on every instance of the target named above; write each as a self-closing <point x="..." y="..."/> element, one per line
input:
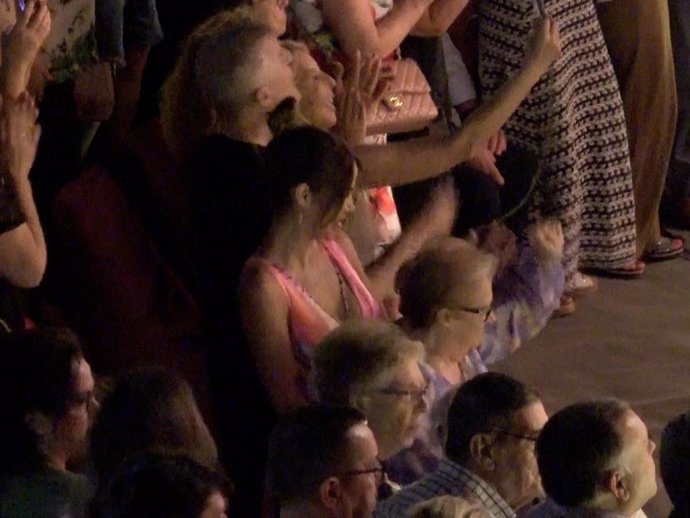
<point x="393" y="102"/>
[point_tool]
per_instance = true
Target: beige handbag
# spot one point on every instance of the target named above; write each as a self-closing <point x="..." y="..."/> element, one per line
<point x="407" y="105"/>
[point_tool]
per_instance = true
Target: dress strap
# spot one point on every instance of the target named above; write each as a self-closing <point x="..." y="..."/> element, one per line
<point x="368" y="304"/>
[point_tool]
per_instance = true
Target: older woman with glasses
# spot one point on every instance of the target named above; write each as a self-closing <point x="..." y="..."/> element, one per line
<point x="374" y="367"/>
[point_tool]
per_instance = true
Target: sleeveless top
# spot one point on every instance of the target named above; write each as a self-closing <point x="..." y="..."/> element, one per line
<point x="308" y="322"/>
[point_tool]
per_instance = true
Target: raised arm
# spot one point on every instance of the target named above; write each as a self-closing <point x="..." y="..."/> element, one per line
<point x="22" y="250"/>
<point x="353" y="25"/>
<point x="417" y="159"/>
<point x="264" y="312"/>
<point x="23" y="43"/>
<point x="438" y="17"/>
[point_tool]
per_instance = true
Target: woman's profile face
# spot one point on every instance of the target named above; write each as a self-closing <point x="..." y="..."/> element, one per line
<point x="317" y="91"/>
<point x="468" y="327"/>
<point x="395" y="404"/>
<point x="348" y="205"/>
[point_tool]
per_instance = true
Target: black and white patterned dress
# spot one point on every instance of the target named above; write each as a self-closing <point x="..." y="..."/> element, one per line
<point x="574" y="121"/>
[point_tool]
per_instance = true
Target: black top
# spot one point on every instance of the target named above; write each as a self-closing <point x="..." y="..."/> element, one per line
<point x="232" y="212"/>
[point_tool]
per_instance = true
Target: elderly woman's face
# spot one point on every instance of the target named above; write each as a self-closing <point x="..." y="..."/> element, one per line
<point x="317" y="90"/>
<point x="395" y="404"/>
<point x="469" y="305"/>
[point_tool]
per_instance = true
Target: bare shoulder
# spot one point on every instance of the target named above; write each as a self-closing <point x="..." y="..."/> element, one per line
<point x="258" y="283"/>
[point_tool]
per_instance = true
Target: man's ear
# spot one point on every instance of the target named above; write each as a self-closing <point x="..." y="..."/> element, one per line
<point x="481" y="452"/>
<point x="616" y="483"/>
<point x="330" y="493"/>
<point x="263" y="96"/>
<point x="39" y="423"/>
<point x="360" y="401"/>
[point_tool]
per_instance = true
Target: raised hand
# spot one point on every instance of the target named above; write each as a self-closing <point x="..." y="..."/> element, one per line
<point x="545" y="43"/>
<point x="438" y="216"/>
<point x="351" y="113"/>
<point x="482" y="159"/>
<point x="546" y="239"/>
<point x="498" y="240"/>
<point x="374" y="79"/>
<point x="498" y="143"/>
<point x="22" y="45"/>
<point x="19" y="135"/>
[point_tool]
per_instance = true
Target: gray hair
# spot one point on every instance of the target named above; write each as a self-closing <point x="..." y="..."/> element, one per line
<point x="355" y="355"/>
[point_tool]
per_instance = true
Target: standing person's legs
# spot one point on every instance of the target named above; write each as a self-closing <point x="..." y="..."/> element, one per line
<point x="638" y="37"/>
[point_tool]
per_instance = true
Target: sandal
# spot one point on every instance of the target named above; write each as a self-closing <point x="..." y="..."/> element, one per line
<point x="566" y="308"/>
<point x="581" y="284"/>
<point x="631" y="270"/>
<point x="665" y="248"/>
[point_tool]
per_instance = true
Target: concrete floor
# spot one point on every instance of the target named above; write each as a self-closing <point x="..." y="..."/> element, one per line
<point x="630" y="340"/>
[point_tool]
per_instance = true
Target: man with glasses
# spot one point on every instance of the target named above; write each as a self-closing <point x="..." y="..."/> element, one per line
<point x="323" y="462"/>
<point x="493" y="423"/>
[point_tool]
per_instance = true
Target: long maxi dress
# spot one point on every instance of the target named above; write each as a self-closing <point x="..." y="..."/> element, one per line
<point x="574" y="121"/>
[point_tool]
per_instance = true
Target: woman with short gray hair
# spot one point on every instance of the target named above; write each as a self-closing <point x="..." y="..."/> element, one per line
<point x="372" y="366"/>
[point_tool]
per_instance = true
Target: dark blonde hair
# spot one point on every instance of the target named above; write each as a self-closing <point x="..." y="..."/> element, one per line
<point x="425" y="282"/>
<point x="308" y="155"/>
<point x="149" y="410"/>
<point x="204" y="77"/>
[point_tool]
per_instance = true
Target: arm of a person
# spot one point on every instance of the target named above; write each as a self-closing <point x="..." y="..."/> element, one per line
<point x="353" y="25"/>
<point x="264" y="313"/>
<point x="22" y="45"/>
<point x="23" y="253"/>
<point x="417" y="159"/>
<point x="438" y="17"/>
<point x="436" y="219"/>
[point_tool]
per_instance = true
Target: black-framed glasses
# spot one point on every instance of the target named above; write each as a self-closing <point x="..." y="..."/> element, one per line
<point x="485" y="312"/>
<point x="379" y="472"/>
<point x="415" y="395"/>
<point x="530" y="438"/>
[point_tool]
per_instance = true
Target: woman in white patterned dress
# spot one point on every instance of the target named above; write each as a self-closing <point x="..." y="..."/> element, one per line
<point x="574" y="121"/>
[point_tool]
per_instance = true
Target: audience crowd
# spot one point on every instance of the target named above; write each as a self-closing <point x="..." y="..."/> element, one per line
<point x="292" y="238"/>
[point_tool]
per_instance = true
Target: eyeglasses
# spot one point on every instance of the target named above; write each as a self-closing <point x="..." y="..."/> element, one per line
<point x="530" y="438"/>
<point x="485" y="312"/>
<point x="414" y="395"/>
<point x="379" y="472"/>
